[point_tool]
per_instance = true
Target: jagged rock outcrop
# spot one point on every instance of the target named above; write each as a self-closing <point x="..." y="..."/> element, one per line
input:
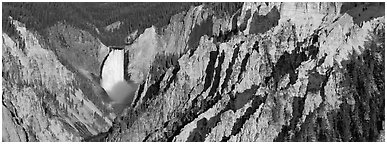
<point x="286" y="72"/>
<point x="264" y="72"/>
<point x="45" y="97"/>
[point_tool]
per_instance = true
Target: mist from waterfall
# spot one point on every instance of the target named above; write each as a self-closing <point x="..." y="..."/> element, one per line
<point x="113" y="80"/>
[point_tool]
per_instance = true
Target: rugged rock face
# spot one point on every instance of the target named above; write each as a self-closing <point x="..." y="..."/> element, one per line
<point x="291" y="75"/>
<point x="264" y="72"/>
<point x="44" y="100"/>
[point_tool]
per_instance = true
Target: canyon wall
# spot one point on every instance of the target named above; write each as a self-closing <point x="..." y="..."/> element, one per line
<point x="45" y="98"/>
<point x="258" y="72"/>
<point x="269" y="72"/>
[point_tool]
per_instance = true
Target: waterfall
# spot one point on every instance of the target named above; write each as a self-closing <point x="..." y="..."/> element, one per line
<point x="113" y="81"/>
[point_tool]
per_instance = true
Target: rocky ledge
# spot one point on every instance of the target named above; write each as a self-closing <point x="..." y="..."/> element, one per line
<point x="260" y="72"/>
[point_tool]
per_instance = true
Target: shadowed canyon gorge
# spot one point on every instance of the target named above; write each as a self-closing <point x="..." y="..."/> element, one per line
<point x="193" y="72"/>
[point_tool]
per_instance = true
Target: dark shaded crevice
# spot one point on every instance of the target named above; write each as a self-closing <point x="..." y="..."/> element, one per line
<point x="321" y="61"/>
<point x="315" y="81"/>
<point x="200" y="105"/>
<point x="10" y="29"/>
<point x="174" y="127"/>
<point x="243" y="26"/>
<point x="205" y="28"/>
<point x="157" y="72"/>
<point x="288" y="63"/>
<point x="243" y="66"/>
<point x="140" y="90"/>
<point x="118" y="125"/>
<point x="173" y="78"/>
<point x="26" y="133"/>
<point x="146" y="137"/>
<point x="263" y="23"/>
<point x="210" y="69"/>
<point x="192" y="51"/>
<point x="86" y="85"/>
<point x="225" y="36"/>
<point x="243" y="98"/>
<point x="153" y="90"/>
<point x="82" y="129"/>
<point x="197" y="108"/>
<point x="97" y="138"/>
<point x="149" y="135"/>
<point x="197" y="135"/>
<point x="213" y="121"/>
<point x="256" y="46"/>
<point x="238" y="125"/>
<point x="229" y="70"/>
<point x="46" y="108"/>
<point x="217" y="71"/>
<point x="234" y="21"/>
<point x="298" y="107"/>
<point x="313" y="49"/>
<point x="126" y="63"/>
<point x="358" y="120"/>
<point x="69" y="127"/>
<point x="324" y="83"/>
<point x="271" y="66"/>
<point x="213" y="96"/>
<point x="321" y="134"/>
<point x="18" y="120"/>
<point x="14" y="113"/>
<point x="103" y="136"/>
<point x="31" y="134"/>
<point x="203" y="128"/>
<point x="161" y="64"/>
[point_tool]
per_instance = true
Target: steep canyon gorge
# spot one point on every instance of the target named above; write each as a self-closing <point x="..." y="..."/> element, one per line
<point x="214" y="72"/>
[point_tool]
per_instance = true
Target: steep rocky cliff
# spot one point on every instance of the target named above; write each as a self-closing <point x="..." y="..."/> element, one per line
<point x="43" y="98"/>
<point x="269" y="72"/>
<point x="256" y="72"/>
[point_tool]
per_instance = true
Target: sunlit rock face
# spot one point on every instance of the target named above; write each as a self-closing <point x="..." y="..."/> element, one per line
<point x="44" y="98"/>
<point x="113" y="76"/>
<point x="267" y="72"/>
<point x="261" y="72"/>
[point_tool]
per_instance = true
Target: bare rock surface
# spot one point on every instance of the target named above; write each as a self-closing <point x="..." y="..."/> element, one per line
<point x="291" y="75"/>
<point x="47" y="101"/>
<point x="261" y="72"/>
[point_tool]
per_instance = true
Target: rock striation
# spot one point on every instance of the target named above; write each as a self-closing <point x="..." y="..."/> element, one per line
<point x="267" y="71"/>
<point x="270" y="72"/>
<point x="44" y="97"/>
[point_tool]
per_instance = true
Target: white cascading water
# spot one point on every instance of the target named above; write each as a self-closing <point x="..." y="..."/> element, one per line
<point x="113" y="77"/>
